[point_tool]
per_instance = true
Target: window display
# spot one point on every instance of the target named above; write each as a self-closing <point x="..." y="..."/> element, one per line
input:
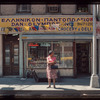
<point x="38" y="51"/>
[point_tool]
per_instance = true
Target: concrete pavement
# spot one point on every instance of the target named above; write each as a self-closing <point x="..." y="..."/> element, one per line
<point x="67" y="87"/>
<point x="30" y="84"/>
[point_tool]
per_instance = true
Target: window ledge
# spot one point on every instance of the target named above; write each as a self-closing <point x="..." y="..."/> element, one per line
<point x="23" y="13"/>
<point x="46" y="67"/>
<point x="82" y="13"/>
<point x="53" y="13"/>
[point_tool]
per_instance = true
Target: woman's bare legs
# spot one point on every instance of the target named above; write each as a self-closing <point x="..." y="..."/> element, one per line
<point x="54" y="83"/>
<point x="49" y="82"/>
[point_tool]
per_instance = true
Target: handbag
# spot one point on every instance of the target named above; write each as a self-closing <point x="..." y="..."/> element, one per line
<point x="54" y="67"/>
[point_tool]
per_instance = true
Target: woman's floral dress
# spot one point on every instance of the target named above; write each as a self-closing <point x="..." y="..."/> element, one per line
<point x="51" y="73"/>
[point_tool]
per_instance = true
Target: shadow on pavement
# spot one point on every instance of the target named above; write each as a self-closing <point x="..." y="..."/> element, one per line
<point x="63" y="88"/>
<point x="31" y="81"/>
<point x="7" y="88"/>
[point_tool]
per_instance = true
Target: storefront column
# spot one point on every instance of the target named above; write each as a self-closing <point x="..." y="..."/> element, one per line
<point x="94" y="82"/>
<point x="25" y="58"/>
<point x="20" y="56"/>
<point x="91" y="57"/>
<point x="1" y="57"/>
<point x="99" y="55"/>
<point x="63" y="53"/>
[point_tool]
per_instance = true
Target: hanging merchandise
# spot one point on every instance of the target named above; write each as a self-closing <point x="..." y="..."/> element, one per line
<point x="35" y="28"/>
<point x="10" y="28"/>
<point x="6" y="30"/>
<point x="26" y="28"/>
<point x="16" y="29"/>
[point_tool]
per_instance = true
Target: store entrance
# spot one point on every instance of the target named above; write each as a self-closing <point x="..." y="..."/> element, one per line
<point x="82" y="59"/>
<point x="10" y="55"/>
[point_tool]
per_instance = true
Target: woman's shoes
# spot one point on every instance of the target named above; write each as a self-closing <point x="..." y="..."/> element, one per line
<point x="49" y="87"/>
<point x="54" y="87"/>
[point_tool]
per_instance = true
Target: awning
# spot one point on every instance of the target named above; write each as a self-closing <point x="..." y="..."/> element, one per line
<point x="56" y="37"/>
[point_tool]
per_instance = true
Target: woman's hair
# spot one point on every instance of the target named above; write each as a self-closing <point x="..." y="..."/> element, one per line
<point x="50" y="52"/>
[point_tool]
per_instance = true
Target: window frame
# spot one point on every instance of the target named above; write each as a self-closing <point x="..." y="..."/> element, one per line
<point x="23" y="11"/>
<point x="60" y="54"/>
<point x="48" y="5"/>
<point x="82" y="13"/>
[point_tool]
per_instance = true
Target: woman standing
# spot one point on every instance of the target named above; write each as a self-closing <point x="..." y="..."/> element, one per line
<point x="51" y="73"/>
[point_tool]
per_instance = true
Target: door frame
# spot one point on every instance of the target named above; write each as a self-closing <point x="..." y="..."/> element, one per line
<point x="4" y="58"/>
<point x="9" y="40"/>
<point x="82" y="42"/>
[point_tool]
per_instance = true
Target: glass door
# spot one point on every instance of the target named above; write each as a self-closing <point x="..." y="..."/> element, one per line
<point x="7" y="59"/>
<point x="15" y="58"/>
<point x="11" y="58"/>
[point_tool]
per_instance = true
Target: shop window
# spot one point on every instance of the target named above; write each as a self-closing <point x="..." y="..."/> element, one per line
<point x="82" y="8"/>
<point x="38" y="51"/>
<point x="53" y="8"/>
<point x="24" y="8"/>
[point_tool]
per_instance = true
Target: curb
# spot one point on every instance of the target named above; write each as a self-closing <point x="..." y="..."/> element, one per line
<point x="49" y="94"/>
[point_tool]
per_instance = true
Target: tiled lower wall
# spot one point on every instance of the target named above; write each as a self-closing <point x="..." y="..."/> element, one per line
<point x="63" y="72"/>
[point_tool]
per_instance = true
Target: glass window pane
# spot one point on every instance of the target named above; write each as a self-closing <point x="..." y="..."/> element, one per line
<point x="16" y="54"/>
<point x="16" y="49"/>
<point x="67" y="55"/>
<point x="28" y="7"/>
<point x="7" y="54"/>
<point x="7" y="60"/>
<point x="24" y="8"/>
<point x="38" y="51"/>
<point x="15" y="59"/>
<point x="18" y="7"/>
<point x="82" y="8"/>
<point x="53" y="8"/>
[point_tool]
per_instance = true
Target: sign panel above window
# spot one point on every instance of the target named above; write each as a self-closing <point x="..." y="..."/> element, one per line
<point x="46" y="24"/>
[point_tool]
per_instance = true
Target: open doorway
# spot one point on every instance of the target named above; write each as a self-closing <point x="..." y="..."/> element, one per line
<point x="82" y="59"/>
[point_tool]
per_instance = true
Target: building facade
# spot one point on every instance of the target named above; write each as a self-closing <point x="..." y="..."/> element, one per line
<point x="28" y="32"/>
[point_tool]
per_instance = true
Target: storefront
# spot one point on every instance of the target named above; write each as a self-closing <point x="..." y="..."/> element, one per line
<point x="37" y="51"/>
<point x="73" y="55"/>
<point x="69" y="37"/>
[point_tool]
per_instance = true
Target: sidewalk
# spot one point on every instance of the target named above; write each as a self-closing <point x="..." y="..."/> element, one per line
<point x="69" y="86"/>
<point x="30" y="84"/>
